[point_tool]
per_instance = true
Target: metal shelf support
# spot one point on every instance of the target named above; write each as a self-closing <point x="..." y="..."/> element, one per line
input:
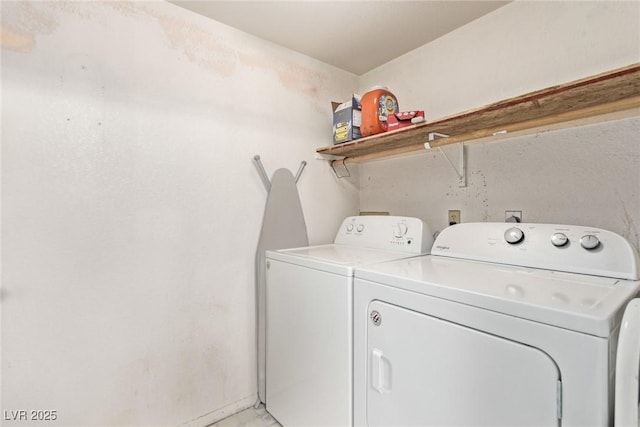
<point x="344" y="173"/>
<point x="461" y="169"/>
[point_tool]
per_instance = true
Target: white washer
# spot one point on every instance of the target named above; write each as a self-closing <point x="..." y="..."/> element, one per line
<point x="309" y="334"/>
<point x="500" y="325"/>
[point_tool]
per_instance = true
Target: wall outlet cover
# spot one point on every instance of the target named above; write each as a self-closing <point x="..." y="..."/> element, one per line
<point x="454" y="217"/>
<point x="513" y="214"/>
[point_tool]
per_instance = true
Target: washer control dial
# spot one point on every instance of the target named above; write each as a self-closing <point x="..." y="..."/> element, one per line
<point x="514" y="235"/>
<point x="559" y="239"/>
<point x="360" y="228"/>
<point x="589" y="242"/>
<point x="349" y="228"/>
<point x="399" y="230"/>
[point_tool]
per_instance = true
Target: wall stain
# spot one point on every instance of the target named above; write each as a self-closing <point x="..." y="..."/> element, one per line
<point x="477" y="185"/>
<point x="199" y="46"/>
<point x="630" y="230"/>
<point x="23" y="23"/>
<point x="214" y="54"/>
<point x="15" y="41"/>
<point x="291" y="76"/>
<point x="20" y="25"/>
<point x="127" y="8"/>
<point x="84" y="10"/>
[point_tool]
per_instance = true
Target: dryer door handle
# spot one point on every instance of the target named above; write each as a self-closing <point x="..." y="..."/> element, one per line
<point x="380" y="378"/>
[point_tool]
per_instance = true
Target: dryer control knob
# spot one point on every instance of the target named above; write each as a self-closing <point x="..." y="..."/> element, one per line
<point x="589" y="242"/>
<point x="513" y="235"/>
<point x="360" y="228"/>
<point x="349" y="228"/>
<point x="559" y="239"/>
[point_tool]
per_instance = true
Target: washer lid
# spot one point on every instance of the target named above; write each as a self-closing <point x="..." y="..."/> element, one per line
<point x="578" y="302"/>
<point x="335" y="258"/>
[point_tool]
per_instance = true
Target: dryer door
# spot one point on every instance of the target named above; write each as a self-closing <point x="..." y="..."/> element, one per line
<point x="426" y="371"/>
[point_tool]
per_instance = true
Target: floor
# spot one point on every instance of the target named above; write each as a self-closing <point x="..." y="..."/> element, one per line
<point x="250" y="417"/>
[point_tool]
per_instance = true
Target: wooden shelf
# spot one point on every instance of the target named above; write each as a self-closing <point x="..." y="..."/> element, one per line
<point x="607" y="96"/>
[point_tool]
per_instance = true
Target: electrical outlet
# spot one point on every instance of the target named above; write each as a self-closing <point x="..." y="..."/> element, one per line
<point x="513" y="216"/>
<point x="454" y="217"/>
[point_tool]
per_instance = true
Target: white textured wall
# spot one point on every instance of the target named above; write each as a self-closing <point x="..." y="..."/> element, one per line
<point x="587" y="176"/>
<point x="131" y="207"/>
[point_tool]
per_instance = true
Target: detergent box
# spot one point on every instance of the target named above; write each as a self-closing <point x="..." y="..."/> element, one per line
<point x="404" y="119"/>
<point x="347" y="117"/>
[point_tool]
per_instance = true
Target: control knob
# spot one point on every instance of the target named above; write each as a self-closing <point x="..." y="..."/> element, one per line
<point x="400" y="230"/>
<point x="359" y="228"/>
<point x="349" y="228"/>
<point x="559" y="239"/>
<point x="589" y="242"/>
<point x="513" y="235"/>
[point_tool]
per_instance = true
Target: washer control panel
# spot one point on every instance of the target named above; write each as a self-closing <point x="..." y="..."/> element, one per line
<point x="396" y="233"/>
<point x="569" y="248"/>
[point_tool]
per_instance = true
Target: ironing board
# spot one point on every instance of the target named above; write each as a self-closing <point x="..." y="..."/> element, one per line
<point x="283" y="227"/>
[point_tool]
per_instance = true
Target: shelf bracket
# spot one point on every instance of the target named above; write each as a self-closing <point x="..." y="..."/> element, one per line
<point x="332" y="159"/>
<point x="461" y="169"/>
<point x="341" y="163"/>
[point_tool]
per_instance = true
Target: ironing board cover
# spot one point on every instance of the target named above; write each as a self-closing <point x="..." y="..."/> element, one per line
<point x="283" y="227"/>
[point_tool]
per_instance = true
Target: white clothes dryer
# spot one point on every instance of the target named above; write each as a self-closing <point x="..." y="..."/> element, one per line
<point x="309" y="328"/>
<point x="627" y="407"/>
<point x="499" y="326"/>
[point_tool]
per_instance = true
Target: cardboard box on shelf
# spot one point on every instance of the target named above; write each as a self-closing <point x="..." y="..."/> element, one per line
<point x="404" y="119"/>
<point x="347" y="117"/>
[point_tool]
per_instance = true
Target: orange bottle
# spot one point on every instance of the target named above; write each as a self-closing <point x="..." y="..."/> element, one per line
<point x="377" y="105"/>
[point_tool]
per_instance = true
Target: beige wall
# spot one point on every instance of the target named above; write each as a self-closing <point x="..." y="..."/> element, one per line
<point x="131" y="207"/>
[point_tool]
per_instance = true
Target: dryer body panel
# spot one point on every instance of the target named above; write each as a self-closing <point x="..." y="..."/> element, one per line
<point x="394" y="363"/>
<point x="427" y="371"/>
